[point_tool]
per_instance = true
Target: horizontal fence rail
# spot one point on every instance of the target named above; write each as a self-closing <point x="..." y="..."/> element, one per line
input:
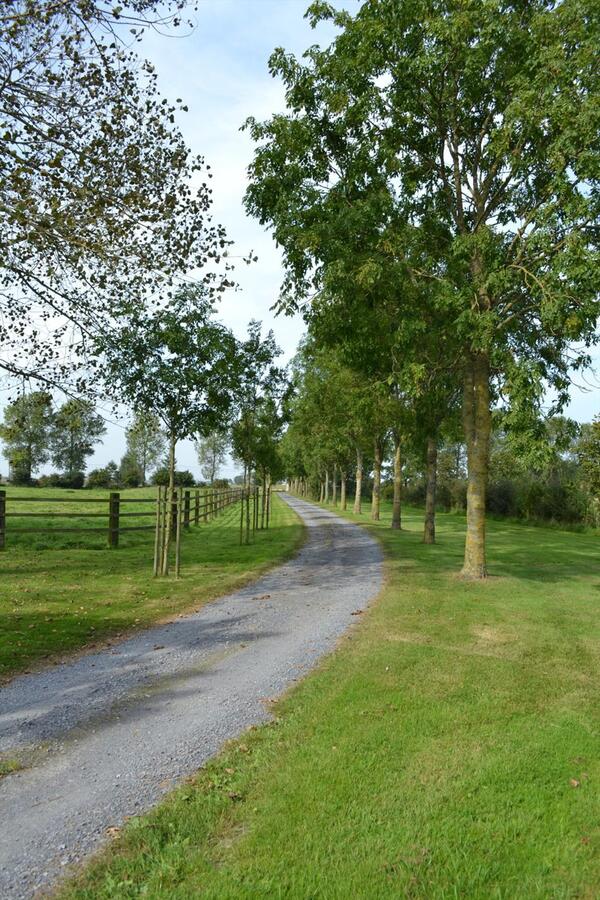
<point x="194" y="505"/>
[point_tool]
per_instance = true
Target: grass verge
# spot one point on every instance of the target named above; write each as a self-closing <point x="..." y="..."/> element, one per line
<point x="61" y="594"/>
<point x="450" y="748"/>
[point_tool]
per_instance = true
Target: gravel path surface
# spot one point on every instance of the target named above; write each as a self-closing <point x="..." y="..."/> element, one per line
<point x="111" y="731"/>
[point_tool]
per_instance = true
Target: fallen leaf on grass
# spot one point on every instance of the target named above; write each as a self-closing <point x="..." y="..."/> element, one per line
<point x="574" y="783"/>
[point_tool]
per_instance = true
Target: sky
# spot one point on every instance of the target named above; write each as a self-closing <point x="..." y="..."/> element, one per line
<point x="220" y="70"/>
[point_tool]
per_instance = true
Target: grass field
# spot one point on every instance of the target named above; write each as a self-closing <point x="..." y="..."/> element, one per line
<point x="60" y="592"/>
<point x="450" y="748"/>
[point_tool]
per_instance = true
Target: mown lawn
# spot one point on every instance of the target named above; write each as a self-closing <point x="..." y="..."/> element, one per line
<point x="61" y="592"/>
<point x="450" y="748"/>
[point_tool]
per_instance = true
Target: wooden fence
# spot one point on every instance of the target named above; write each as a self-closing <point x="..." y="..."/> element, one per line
<point x="194" y="506"/>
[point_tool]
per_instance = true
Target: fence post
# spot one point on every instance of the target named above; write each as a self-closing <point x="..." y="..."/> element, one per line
<point x="157" y="532"/>
<point x="186" y="509"/>
<point x="2" y="519"/>
<point x="268" y="503"/>
<point x="180" y="498"/>
<point x="113" y="518"/>
<point x="197" y="508"/>
<point x="174" y="502"/>
<point x="242" y="519"/>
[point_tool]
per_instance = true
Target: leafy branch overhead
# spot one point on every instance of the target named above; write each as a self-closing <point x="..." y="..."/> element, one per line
<point x="101" y="201"/>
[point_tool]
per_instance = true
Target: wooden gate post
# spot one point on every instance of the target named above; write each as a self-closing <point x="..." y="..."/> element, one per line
<point x="2" y="519"/>
<point x="197" y="508"/>
<point x="113" y="519"/>
<point x="186" y="509"/>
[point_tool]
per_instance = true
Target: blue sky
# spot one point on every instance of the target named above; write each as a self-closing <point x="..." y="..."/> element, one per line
<point x="220" y="71"/>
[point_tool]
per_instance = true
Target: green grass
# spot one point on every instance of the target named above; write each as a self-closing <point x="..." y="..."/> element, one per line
<point x="450" y="747"/>
<point x="61" y="592"/>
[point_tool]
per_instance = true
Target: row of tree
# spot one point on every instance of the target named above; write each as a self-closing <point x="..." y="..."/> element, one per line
<point x="347" y="433"/>
<point x="33" y="433"/>
<point x="235" y="400"/>
<point x="434" y="185"/>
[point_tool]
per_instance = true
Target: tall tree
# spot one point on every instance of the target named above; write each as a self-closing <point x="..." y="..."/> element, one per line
<point x="81" y="235"/>
<point x="212" y="453"/>
<point x="145" y="441"/>
<point x="453" y="144"/>
<point x="178" y="363"/>
<point x="75" y="431"/>
<point x="258" y="379"/>
<point x="25" y="433"/>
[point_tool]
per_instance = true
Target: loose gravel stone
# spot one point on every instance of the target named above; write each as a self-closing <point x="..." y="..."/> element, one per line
<point x="112" y="731"/>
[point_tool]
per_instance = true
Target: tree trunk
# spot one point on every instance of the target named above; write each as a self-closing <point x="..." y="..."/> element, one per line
<point x="169" y="517"/>
<point x="429" y="526"/>
<point x="358" y="491"/>
<point x="326" y="486"/>
<point x="477" y="424"/>
<point x="376" y="496"/>
<point x="334" y="487"/>
<point x="321" y="491"/>
<point x="397" y="501"/>
<point x="343" y="490"/>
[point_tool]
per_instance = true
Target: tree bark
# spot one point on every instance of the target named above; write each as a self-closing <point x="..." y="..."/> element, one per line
<point x="397" y="501"/>
<point x="431" y="479"/>
<point x="477" y="425"/>
<point x="326" y="498"/>
<point x="334" y="487"/>
<point x="358" y="491"/>
<point x="321" y="491"/>
<point x="376" y="496"/>
<point x="343" y="490"/>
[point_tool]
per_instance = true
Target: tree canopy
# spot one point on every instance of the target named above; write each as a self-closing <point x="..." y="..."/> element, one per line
<point x="443" y="157"/>
<point x="85" y="238"/>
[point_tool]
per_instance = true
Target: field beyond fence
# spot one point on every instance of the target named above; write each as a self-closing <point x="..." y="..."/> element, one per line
<point x="64" y="589"/>
<point x="107" y="516"/>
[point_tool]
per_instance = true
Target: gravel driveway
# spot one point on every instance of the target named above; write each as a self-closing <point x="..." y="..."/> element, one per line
<point x="111" y="731"/>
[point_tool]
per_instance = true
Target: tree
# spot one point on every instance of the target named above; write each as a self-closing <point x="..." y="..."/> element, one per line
<point x="145" y="441"/>
<point x="81" y="236"/>
<point x="259" y="381"/>
<point x="26" y="434"/>
<point x="177" y="363"/>
<point x="107" y="477"/>
<point x="181" y="477"/>
<point x="212" y="453"/>
<point x="130" y="474"/>
<point x="76" y="429"/>
<point x="453" y="145"/>
<point x="588" y="454"/>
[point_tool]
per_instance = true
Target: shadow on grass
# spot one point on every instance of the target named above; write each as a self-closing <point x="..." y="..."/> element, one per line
<point x="515" y="550"/>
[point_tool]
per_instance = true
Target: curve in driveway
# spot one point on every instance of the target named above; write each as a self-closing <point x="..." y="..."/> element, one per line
<point x="111" y="731"/>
